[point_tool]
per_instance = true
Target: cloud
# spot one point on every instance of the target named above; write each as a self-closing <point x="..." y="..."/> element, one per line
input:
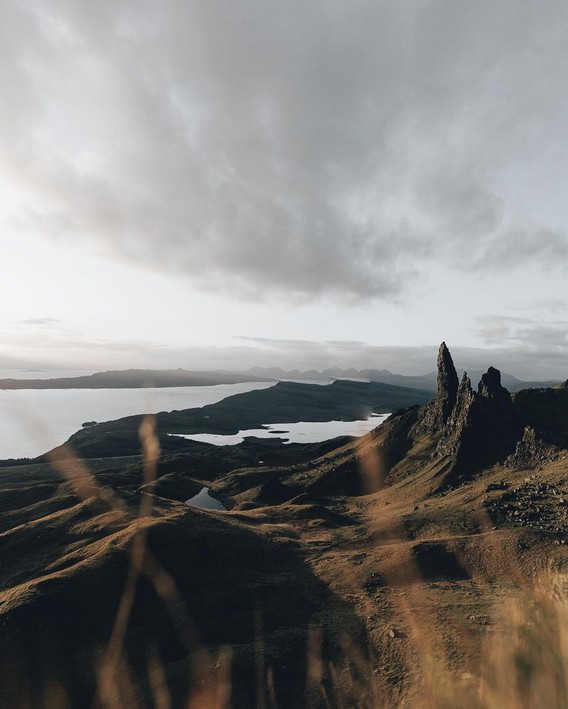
<point x="498" y="328"/>
<point x="521" y="348"/>
<point x="522" y="245"/>
<point x="305" y="148"/>
<point x="530" y="354"/>
<point x="37" y="321"/>
<point x="533" y="345"/>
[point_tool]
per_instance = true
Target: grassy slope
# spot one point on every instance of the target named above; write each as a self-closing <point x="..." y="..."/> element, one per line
<point x="348" y="578"/>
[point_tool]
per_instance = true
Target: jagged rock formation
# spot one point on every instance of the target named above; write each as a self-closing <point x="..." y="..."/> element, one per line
<point x="461" y="413"/>
<point x="436" y="414"/>
<point x="545" y="410"/>
<point x="530" y="451"/>
<point x="483" y="427"/>
<point x="448" y="383"/>
<point x="475" y="428"/>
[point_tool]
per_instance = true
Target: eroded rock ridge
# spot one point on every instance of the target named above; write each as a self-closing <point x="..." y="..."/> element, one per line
<point x="476" y="428"/>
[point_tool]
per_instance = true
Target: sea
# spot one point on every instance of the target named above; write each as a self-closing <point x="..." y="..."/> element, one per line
<point x="33" y="421"/>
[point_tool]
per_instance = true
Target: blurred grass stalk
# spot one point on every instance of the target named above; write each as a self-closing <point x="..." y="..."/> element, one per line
<point x="523" y="662"/>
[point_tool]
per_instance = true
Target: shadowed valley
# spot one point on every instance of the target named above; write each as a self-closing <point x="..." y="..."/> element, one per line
<point x="371" y="572"/>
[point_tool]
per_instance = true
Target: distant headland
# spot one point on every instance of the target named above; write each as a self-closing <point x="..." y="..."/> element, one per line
<point x="134" y="379"/>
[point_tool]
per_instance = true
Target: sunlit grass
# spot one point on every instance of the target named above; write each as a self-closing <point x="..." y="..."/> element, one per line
<point x="522" y="662"/>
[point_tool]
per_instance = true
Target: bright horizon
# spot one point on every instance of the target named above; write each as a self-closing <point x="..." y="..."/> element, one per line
<point x="227" y="185"/>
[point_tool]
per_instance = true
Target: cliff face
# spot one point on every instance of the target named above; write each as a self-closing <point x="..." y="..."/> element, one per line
<point x="475" y="428"/>
<point x="483" y="427"/>
<point x="545" y="410"/>
<point x="448" y="384"/>
<point x="436" y="414"/>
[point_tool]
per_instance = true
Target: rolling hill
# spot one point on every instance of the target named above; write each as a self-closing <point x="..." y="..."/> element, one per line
<point x="423" y="564"/>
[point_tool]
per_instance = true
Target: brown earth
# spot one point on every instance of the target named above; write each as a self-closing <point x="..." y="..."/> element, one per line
<point x="378" y="574"/>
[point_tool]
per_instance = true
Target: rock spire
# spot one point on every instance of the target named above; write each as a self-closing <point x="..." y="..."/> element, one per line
<point x="483" y="427"/>
<point x="435" y="415"/>
<point x="448" y="383"/>
<point x="474" y="428"/>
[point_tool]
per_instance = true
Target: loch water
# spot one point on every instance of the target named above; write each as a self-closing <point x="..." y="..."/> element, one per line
<point x="301" y="432"/>
<point x="33" y="421"/>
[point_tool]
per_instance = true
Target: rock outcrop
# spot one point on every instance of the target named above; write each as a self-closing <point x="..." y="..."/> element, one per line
<point x="448" y="384"/>
<point x="530" y="451"/>
<point x="435" y="415"/>
<point x="483" y="427"/>
<point x="545" y="410"/>
<point x="475" y="428"/>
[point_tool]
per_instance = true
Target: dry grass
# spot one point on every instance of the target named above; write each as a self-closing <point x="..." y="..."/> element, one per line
<point x="516" y="659"/>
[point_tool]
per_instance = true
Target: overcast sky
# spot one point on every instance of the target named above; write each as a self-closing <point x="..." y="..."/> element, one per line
<point x="227" y="183"/>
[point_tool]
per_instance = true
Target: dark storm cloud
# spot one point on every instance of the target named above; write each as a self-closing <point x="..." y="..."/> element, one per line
<point x="304" y="147"/>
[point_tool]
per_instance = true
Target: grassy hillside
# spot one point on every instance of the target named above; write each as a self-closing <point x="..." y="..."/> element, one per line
<point x="285" y="402"/>
<point x="357" y="573"/>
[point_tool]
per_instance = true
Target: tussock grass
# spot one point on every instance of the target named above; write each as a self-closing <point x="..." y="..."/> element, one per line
<point x="405" y="657"/>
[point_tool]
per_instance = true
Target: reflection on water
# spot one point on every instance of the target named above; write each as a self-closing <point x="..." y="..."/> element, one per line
<point x="204" y="500"/>
<point x="301" y="432"/>
<point x="32" y="421"/>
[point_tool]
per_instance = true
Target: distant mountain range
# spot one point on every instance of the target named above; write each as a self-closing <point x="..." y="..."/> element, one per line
<point x="425" y="382"/>
<point x="137" y="378"/>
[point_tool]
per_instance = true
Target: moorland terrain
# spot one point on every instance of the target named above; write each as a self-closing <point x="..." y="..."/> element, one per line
<point x="422" y="564"/>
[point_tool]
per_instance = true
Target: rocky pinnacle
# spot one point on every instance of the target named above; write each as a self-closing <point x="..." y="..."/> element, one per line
<point x="448" y="383"/>
<point x="490" y="384"/>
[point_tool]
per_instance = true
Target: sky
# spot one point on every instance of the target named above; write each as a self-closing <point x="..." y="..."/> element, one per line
<point x="230" y="183"/>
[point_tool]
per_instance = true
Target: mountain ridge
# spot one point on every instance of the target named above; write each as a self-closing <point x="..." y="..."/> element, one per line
<point x="419" y="381"/>
<point x="163" y="378"/>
